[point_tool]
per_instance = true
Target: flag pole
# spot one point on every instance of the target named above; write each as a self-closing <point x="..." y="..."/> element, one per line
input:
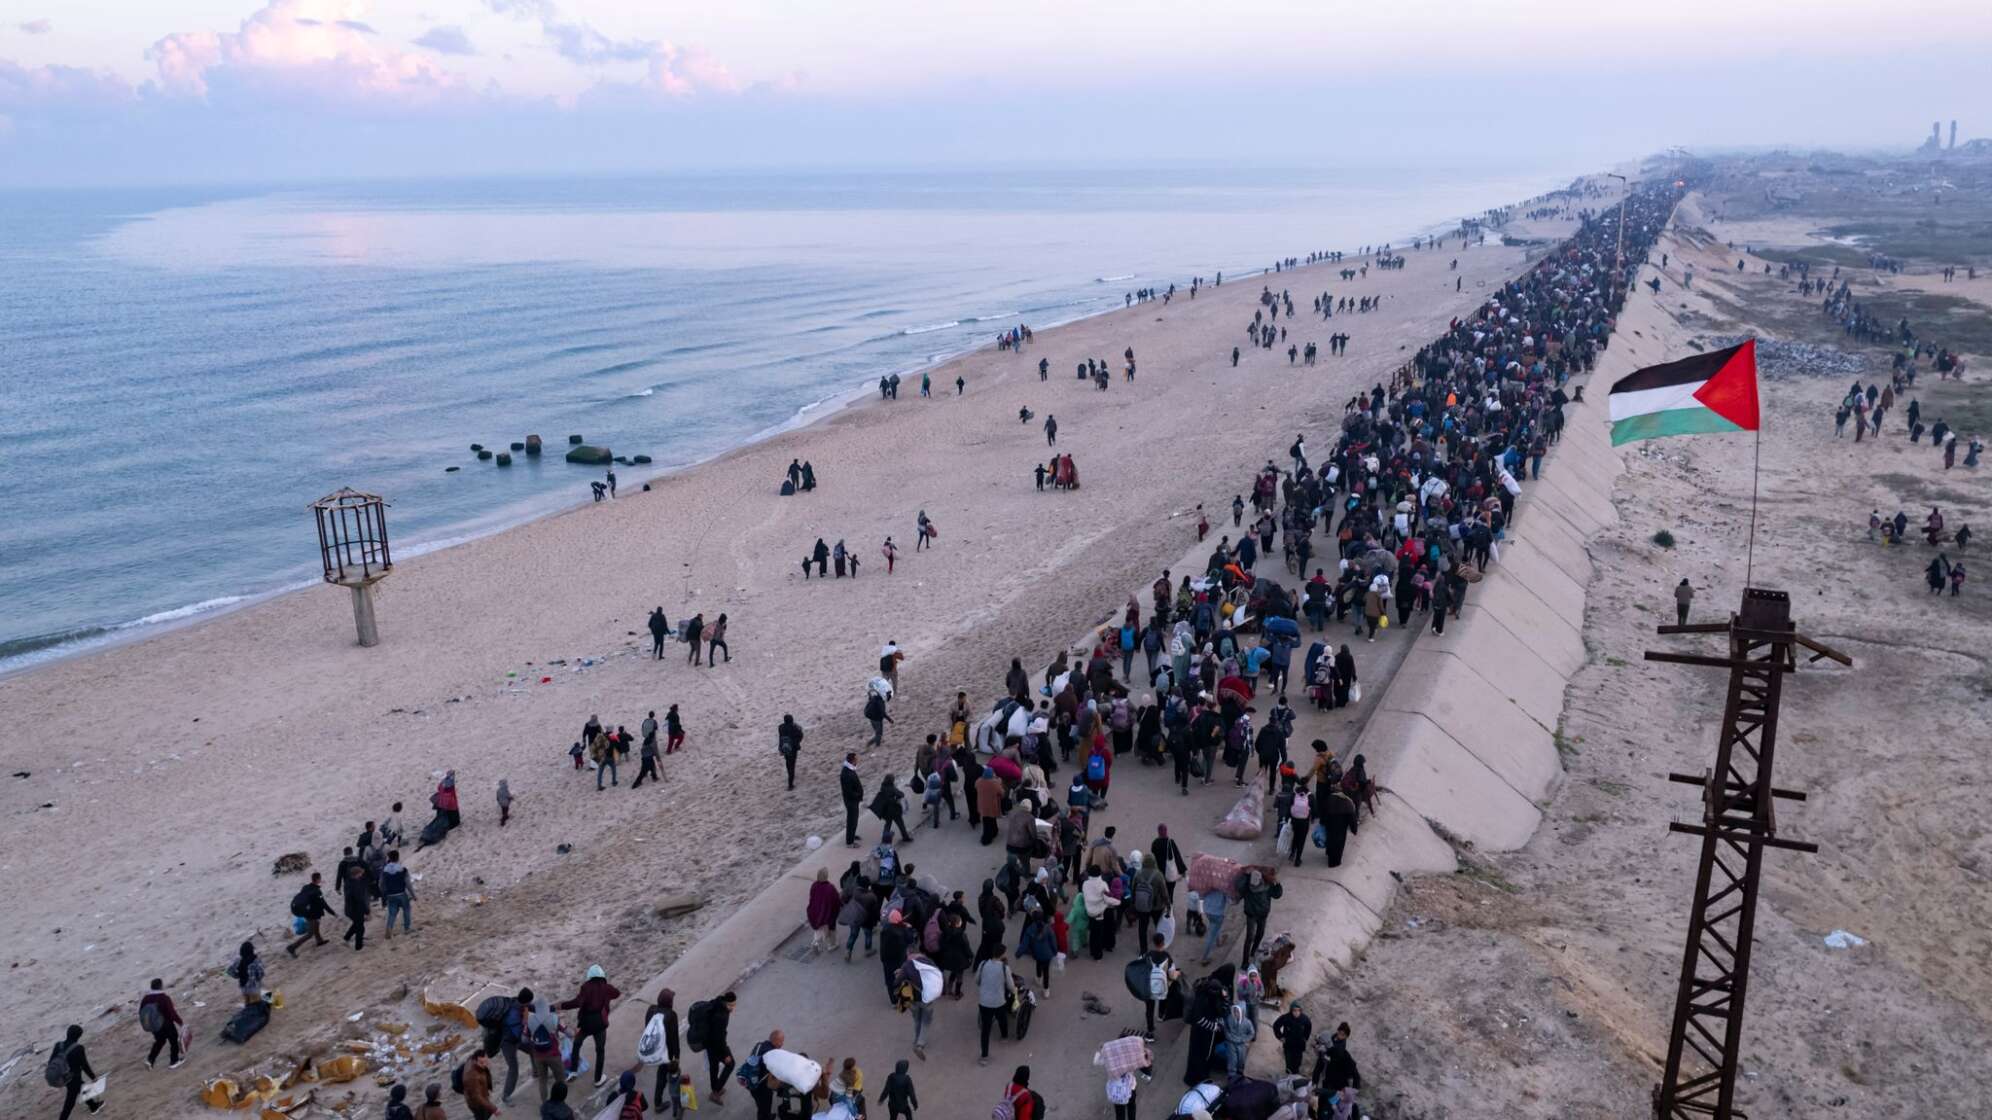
<point x="1750" y="550"/>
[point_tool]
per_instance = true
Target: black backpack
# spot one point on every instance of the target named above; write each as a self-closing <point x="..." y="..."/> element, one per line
<point x="697" y="1020"/>
<point x="57" y="1074"/>
<point x="456" y="1080"/>
<point x="301" y="903"/>
<point x="492" y="1012"/>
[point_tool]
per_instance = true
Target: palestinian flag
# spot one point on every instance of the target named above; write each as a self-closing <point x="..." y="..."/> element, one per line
<point x="1714" y="392"/>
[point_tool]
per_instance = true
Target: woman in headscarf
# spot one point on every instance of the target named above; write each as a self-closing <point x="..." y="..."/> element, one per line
<point x="445" y="800"/>
<point x="991" y="915"/>
<point x="248" y="973"/>
<point x="397" y="1104"/>
<point x="593" y="1002"/>
<point x="1210" y="1005"/>
<point x="541" y="1039"/>
<point x="821" y="911"/>
<point x="1345" y="675"/>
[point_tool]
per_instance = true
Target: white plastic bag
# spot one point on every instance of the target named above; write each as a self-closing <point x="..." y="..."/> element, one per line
<point x="1058" y="963"/>
<point x="1166" y="929"/>
<point x="1355" y="691"/>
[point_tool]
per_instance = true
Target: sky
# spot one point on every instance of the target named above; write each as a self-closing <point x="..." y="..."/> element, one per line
<point x="143" y="92"/>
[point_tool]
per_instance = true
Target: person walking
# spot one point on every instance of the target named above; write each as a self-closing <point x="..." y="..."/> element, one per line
<point x="994" y="990"/>
<point x="660" y="628"/>
<point x="1050" y="430"/>
<point x="821" y="910"/>
<point x="1684" y="597"/>
<point x="602" y="752"/>
<point x="917" y="977"/>
<point x="897" y="1094"/>
<point x="674" y="730"/>
<point x="397" y="893"/>
<point x="889" y="806"/>
<point x="359" y="903"/>
<point x="161" y="1020"/>
<point x="664" y="1017"/>
<point x="74" y="1063"/>
<point x="852" y="788"/>
<point x="477" y="1087"/>
<point x="542" y="1042"/>
<point x="1293" y="1029"/>
<point x="593" y="1002"/>
<point x="1162" y="972"/>
<point x="788" y="744"/>
<point x="310" y="905"/>
<point x="708" y="1025"/>
<point x="877" y="715"/>
<point x="716" y="642"/>
<point x="432" y="1104"/>
<point x="694" y="634"/>
<point x="648" y="754"/>
<point x="1256" y="892"/>
<point x="891" y="552"/>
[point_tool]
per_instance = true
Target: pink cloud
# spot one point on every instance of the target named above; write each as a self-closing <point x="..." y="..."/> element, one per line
<point x="319" y="48"/>
<point x="22" y="86"/>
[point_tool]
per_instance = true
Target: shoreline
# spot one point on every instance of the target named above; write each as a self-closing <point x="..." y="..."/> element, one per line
<point x="88" y="641"/>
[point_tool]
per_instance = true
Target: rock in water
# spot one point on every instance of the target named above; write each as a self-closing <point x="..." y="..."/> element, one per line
<point x="532" y="445"/>
<point x="504" y="458"/>
<point x="519" y="445"/>
<point x="639" y="460"/>
<point x="483" y="455"/>
<point x="590" y="454"/>
<point x="574" y="439"/>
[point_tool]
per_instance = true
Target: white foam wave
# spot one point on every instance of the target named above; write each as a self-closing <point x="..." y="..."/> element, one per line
<point x="1112" y="279"/>
<point x="998" y="316"/>
<point x="188" y="611"/>
<point x="931" y="328"/>
<point x="644" y="392"/>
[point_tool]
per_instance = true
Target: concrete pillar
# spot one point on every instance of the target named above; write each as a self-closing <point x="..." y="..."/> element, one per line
<point x="363" y="615"/>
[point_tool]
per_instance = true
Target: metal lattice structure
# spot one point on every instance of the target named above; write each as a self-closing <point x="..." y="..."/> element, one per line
<point x="1738" y="822"/>
<point x="352" y="544"/>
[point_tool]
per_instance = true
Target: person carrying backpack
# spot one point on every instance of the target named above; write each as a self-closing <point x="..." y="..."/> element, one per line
<point x="634" y="1106"/>
<point x="504" y="1023"/>
<point x="158" y="1018"/>
<point x="541" y="1040"/>
<point x="1020" y="1101"/>
<point x="69" y="1069"/>
<point x="476" y="1087"/>
<point x="309" y="904"/>
<point x="705" y="1030"/>
<point x="877" y="716"/>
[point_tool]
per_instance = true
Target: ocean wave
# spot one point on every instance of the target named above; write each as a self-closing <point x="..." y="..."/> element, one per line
<point x="621" y="367"/>
<point x="643" y="392"/>
<point x="931" y="328"/>
<point x="1000" y="315"/>
<point x="188" y="611"/>
<point x="1112" y="279"/>
<point x="882" y="313"/>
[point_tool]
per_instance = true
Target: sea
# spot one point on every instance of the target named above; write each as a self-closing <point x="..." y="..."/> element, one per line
<point x="184" y="370"/>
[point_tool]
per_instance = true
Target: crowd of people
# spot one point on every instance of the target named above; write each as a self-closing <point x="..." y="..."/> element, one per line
<point x="1418" y="488"/>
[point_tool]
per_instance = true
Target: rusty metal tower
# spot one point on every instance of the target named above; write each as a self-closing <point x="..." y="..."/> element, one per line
<point x="1738" y="823"/>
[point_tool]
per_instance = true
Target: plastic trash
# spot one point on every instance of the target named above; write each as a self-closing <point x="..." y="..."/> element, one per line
<point x="1841" y="939"/>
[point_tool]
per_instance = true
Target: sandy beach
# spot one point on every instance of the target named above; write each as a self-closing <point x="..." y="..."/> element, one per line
<point x="160" y="780"/>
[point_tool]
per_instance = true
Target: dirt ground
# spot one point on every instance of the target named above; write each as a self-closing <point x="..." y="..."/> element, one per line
<point x="1541" y="982"/>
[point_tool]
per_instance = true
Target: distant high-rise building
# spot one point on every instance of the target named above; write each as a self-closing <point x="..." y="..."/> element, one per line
<point x="1953" y="138"/>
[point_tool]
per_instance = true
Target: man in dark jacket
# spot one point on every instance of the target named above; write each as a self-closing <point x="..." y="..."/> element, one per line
<point x="1256" y="892"/>
<point x="893" y="943"/>
<point x="719" y="1055"/>
<point x="359" y="903"/>
<point x="78" y="1064"/>
<point x="1337" y="813"/>
<point x="659" y="627"/>
<point x="166" y="1035"/>
<point x="1334" y="1069"/>
<point x="853" y="789"/>
<point x="666" y="1092"/>
<point x="788" y="743"/>
<point x="1293" y="1029"/>
<point x="310" y="905"/>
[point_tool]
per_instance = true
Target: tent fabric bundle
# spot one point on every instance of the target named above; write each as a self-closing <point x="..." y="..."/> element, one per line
<point x="1712" y="392"/>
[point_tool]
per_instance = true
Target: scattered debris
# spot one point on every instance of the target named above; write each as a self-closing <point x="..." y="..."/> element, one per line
<point x="1841" y="939"/>
<point x="290" y="863"/>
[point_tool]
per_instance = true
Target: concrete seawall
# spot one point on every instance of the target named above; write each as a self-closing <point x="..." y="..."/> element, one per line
<point x="1462" y="739"/>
